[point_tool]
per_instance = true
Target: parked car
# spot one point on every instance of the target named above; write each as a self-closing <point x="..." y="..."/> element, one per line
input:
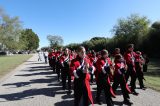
<point x="3" y="53"/>
<point x="20" y="52"/>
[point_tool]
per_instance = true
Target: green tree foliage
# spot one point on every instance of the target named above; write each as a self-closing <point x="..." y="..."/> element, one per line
<point x="13" y="37"/>
<point x="55" y="41"/>
<point x="10" y="28"/>
<point x="151" y="41"/>
<point x="73" y="46"/>
<point x="29" y="40"/>
<point x="97" y="38"/>
<point x="131" y="30"/>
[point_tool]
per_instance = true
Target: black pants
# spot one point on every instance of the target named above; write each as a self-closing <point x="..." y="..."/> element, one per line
<point x="54" y="66"/>
<point x="103" y="85"/>
<point x="140" y="77"/>
<point x="50" y="62"/>
<point x="80" y="90"/>
<point x="45" y="58"/>
<point x="132" y="73"/>
<point x="66" y="76"/>
<point x="58" y="70"/>
<point x="145" y="67"/>
<point x="91" y="77"/>
<point x="119" y="79"/>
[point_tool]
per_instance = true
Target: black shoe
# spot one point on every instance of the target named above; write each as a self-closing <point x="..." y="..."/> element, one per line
<point x="127" y="102"/>
<point x="64" y="88"/>
<point x="143" y="88"/>
<point x="53" y="71"/>
<point x="135" y="93"/>
<point x="98" y="101"/>
<point x="69" y="92"/>
<point x="58" y="80"/>
<point x="110" y="103"/>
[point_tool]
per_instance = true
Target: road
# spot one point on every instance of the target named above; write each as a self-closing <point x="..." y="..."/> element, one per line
<point x="33" y="84"/>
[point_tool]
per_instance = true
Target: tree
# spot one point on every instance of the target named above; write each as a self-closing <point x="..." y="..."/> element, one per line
<point x="97" y="38"/>
<point x="55" y="41"/>
<point x="29" y="40"/>
<point x="10" y="28"/>
<point x="131" y="30"/>
<point x="151" y="42"/>
<point x="13" y="37"/>
<point x="72" y="46"/>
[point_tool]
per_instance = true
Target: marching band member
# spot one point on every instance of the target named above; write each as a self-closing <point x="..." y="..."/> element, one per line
<point x="80" y="67"/>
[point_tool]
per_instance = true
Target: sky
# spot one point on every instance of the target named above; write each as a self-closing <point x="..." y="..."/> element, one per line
<point x="77" y="20"/>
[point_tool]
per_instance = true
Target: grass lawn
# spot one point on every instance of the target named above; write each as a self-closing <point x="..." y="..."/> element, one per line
<point x="153" y="75"/>
<point x="7" y="63"/>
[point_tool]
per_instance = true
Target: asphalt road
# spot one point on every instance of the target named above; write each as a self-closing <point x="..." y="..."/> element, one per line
<point x="34" y="84"/>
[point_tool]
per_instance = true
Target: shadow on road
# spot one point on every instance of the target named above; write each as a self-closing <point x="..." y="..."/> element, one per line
<point x="33" y="74"/>
<point x="35" y="81"/>
<point x="31" y="93"/>
<point x="38" y="68"/>
<point x="26" y="94"/>
<point x="53" y="88"/>
<point x="65" y="103"/>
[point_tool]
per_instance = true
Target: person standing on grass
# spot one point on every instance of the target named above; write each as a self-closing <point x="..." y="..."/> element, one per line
<point x="146" y="61"/>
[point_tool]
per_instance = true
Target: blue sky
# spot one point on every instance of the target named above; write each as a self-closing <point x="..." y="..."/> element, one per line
<point x="77" y="20"/>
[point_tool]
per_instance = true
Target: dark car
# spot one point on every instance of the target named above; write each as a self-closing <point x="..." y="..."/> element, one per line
<point x="3" y="53"/>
